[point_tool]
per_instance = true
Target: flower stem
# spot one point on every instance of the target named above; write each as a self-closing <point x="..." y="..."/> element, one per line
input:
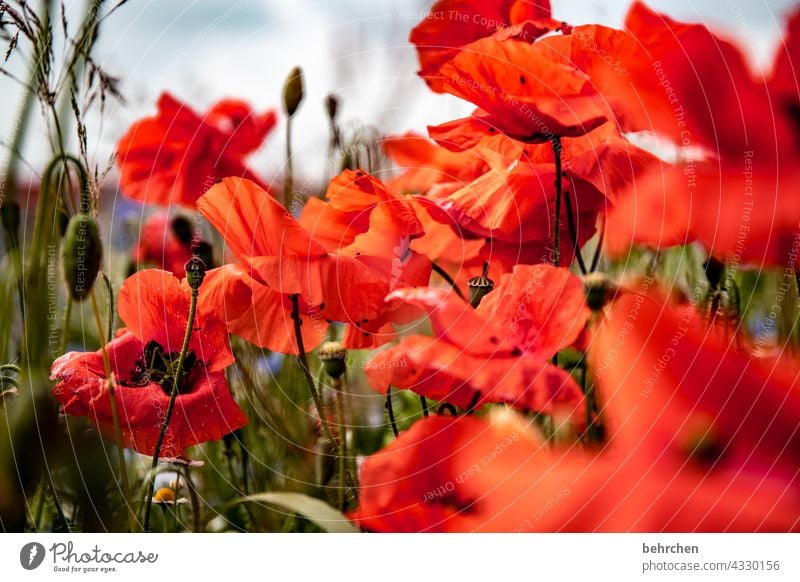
<point x="192" y="489"/>
<point x="123" y="467"/>
<point x="288" y="180"/>
<point x="390" y="410"/>
<point x="65" y="331"/>
<point x="446" y="276"/>
<point x="599" y="249"/>
<point x="338" y="386"/>
<point x="573" y="233"/>
<point x="424" y="403"/>
<point x="557" y="222"/>
<point x="171" y="406"/>
<point x="303" y="359"/>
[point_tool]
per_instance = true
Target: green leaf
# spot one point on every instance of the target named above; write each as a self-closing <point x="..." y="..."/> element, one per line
<point x="315" y="510"/>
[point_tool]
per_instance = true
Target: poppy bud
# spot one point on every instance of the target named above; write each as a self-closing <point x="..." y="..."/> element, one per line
<point x="9" y="213"/>
<point x="715" y="271"/>
<point x="599" y="290"/>
<point x="332" y="354"/>
<point x="81" y="255"/>
<point x="331" y="106"/>
<point x="479" y="287"/>
<point x="293" y="91"/>
<point x="195" y="272"/>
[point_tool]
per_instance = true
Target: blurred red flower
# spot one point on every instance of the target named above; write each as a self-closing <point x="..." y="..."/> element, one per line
<point x="155" y="307"/>
<point x="164" y="242"/>
<point x="174" y="157"/>
<point x="498" y="352"/>
<point x="732" y="186"/>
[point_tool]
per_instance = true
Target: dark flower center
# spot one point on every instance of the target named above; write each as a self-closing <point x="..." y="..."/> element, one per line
<point x="160" y="367"/>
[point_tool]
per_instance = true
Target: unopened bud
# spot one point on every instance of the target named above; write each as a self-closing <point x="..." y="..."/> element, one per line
<point x="332" y="355"/>
<point x="293" y="91"/>
<point x="599" y="290"/>
<point x="479" y="287"/>
<point x="195" y="272"/>
<point x="81" y="255"/>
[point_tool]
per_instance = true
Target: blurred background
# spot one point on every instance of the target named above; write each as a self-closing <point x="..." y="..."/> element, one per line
<point x="202" y="50"/>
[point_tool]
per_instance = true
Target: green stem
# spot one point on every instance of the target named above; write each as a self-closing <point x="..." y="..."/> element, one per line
<point x="337" y="385"/>
<point x="123" y="466"/>
<point x="288" y="180"/>
<point x="390" y="410"/>
<point x="170" y="407"/>
<point x="302" y="358"/>
<point x="192" y="489"/>
<point x="65" y="330"/>
<point x="446" y="276"/>
<point x="573" y="233"/>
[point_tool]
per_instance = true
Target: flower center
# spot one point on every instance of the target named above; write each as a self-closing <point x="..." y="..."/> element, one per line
<point x="161" y="367"/>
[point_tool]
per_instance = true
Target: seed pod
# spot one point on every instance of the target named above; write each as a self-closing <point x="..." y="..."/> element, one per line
<point x="479" y="287"/>
<point x="332" y="355"/>
<point x="293" y="91"/>
<point x="81" y="255"/>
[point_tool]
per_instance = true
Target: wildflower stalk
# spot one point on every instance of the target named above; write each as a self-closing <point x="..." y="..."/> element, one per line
<point x="65" y="330"/>
<point x="195" y="499"/>
<point x="573" y="232"/>
<point x="556" y="141"/>
<point x="338" y="386"/>
<point x="288" y="180"/>
<point x="424" y="403"/>
<point x="446" y="276"/>
<point x="112" y="398"/>
<point x="390" y="410"/>
<point x="599" y="249"/>
<point x="171" y="406"/>
<point x="303" y="359"/>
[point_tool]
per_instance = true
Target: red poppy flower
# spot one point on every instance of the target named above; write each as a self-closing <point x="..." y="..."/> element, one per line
<point x="424" y="480"/>
<point x="452" y="24"/>
<point x="174" y="157"/>
<point x="347" y="284"/>
<point x="674" y="387"/>
<point x="524" y="92"/>
<point x="425" y="164"/>
<point x="165" y="243"/>
<point x="155" y="305"/>
<point x="498" y="352"/>
<point x="513" y="204"/>
<point x="702" y="439"/>
<point x="732" y="191"/>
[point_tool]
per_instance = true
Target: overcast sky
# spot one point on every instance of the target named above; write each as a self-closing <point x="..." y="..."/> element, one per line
<point x="202" y="50"/>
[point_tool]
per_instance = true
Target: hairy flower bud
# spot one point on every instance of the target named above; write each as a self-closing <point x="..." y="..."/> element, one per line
<point x="195" y="272"/>
<point x="81" y="255"/>
<point x="293" y="91"/>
